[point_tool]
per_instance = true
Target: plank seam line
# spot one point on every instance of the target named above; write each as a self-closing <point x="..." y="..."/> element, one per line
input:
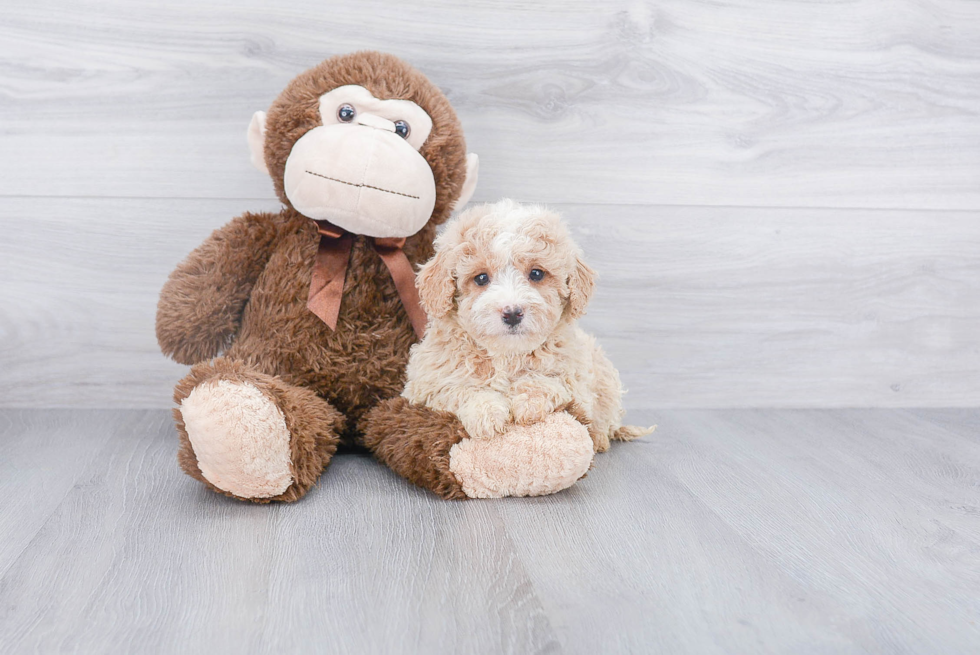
<point x="822" y="208"/>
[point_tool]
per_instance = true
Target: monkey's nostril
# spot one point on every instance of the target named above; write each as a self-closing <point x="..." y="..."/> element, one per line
<point x="512" y="315"/>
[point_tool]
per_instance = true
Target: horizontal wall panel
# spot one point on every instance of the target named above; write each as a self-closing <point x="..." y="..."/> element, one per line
<point x="749" y="103"/>
<point x="698" y="307"/>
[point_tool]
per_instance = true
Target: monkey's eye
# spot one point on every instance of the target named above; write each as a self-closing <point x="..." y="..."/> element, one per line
<point x="482" y="280"/>
<point x="346" y="113"/>
<point x="402" y="129"/>
<point x="536" y="275"/>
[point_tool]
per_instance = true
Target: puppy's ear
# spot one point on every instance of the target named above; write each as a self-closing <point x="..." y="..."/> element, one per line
<point x="436" y="284"/>
<point x="581" y="285"/>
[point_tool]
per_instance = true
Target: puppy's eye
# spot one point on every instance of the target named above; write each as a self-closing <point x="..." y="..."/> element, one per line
<point x="346" y="113"/>
<point x="402" y="129"/>
<point x="536" y="275"/>
<point x="482" y="280"/>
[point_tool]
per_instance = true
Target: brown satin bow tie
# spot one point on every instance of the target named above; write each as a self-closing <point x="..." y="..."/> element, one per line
<point x="330" y="271"/>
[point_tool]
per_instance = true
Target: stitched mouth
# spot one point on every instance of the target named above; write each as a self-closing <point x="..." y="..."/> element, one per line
<point x="366" y="186"/>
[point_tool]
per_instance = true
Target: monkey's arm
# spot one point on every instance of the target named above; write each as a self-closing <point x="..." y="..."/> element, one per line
<point x="201" y="304"/>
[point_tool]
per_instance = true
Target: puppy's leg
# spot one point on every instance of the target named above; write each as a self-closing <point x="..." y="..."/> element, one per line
<point x="631" y="432"/>
<point x="608" y="409"/>
<point x="484" y="414"/>
<point x="534" y="397"/>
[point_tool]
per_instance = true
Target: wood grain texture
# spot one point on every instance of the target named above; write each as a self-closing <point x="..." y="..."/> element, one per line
<point x="665" y="130"/>
<point x="727" y="531"/>
<point x="41" y="457"/>
<point x="698" y="307"/>
<point x="866" y="103"/>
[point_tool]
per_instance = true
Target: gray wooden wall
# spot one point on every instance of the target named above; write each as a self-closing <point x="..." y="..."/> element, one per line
<point x="782" y="198"/>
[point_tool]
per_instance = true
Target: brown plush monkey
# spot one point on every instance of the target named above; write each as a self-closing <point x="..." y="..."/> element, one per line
<point x="297" y="323"/>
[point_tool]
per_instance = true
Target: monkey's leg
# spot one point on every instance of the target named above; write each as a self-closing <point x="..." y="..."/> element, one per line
<point x="414" y="442"/>
<point x="251" y="436"/>
<point x="432" y="450"/>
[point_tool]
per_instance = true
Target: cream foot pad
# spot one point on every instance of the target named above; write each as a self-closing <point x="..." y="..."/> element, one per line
<point x="239" y="437"/>
<point x="532" y="460"/>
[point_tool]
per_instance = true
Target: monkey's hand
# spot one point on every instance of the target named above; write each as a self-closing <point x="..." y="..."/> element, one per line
<point x="484" y="414"/>
<point x="534" y="397"/>
<point x="201" y="304"/>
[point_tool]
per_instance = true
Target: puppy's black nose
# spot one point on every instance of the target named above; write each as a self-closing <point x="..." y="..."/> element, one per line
<point x="512" y="315"/>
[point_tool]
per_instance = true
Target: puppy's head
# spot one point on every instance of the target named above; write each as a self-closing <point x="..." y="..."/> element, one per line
<point x="510" y="272"/>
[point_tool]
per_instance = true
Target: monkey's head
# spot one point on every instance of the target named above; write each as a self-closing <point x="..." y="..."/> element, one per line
<point x="368" y="143"/>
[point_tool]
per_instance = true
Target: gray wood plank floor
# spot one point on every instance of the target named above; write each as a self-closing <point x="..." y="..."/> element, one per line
<point x="727" y="531"/>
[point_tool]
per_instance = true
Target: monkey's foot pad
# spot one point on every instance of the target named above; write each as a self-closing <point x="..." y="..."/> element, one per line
<point x="532" y="460"/>
<point x="240" y="438"/>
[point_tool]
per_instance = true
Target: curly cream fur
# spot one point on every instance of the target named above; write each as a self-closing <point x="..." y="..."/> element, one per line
<point x="492" y="375"/>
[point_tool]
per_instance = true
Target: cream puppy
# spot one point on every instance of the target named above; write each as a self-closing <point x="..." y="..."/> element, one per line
<point x="502" y="347"/>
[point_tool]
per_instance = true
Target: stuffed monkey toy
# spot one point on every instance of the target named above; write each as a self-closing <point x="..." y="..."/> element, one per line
<point x="299" y="323"/>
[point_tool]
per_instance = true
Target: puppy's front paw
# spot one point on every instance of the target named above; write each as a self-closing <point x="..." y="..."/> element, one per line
<point x="486" y="424"/>
<point x="485" y="416"/>
<point x="530" y="408"/>
<point x="534" y="400"/>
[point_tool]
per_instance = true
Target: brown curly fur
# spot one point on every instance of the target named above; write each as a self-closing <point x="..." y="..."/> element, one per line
<point x="414" y="442"/>
<point x="385" y="76"/>
<point x="243" y="292"/>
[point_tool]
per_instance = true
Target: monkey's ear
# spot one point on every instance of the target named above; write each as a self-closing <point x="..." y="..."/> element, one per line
<point x="469" y="185"/>
<point x="581" y="285"/>
<point x="256" y="141"/>
<point x="437" y="284"/>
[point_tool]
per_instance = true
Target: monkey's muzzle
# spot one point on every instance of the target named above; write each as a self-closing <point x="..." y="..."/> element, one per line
<point x="366" y="180"/>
